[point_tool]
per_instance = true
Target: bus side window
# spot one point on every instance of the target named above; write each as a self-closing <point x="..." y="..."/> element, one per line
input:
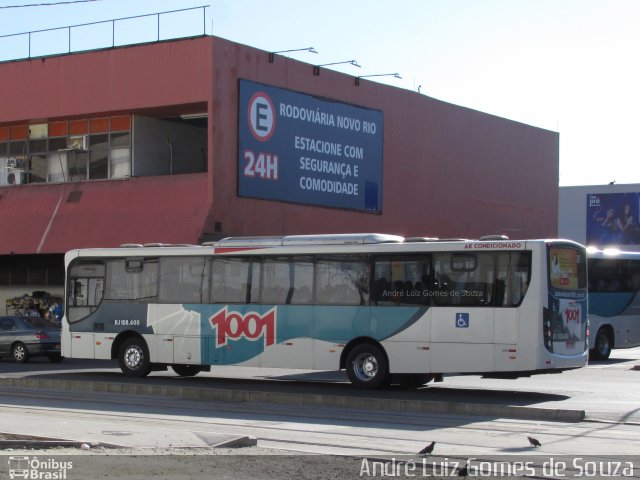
<point x="499" y="292"/>
<point x="230" y="280"/>
<point x="301" y="281"/>
<point x="287" y="281"/>
<point x="466" y="279"/>
<point x="132" y="280"/>
<point x="401" y="280"/>
<point x="342" y="281"/>
<point x="182" y="279"/>
<point x="381" y="282"/>
<point x="512" y="278"/>
<point x="275" y="282"/>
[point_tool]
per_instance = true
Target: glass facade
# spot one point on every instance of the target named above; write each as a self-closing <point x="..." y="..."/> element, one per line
<point x="64" y="151"/>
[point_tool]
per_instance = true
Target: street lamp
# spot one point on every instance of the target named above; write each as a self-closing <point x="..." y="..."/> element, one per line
<point x="307" y="49"/>
<point x="316" y="68"/>
<point x="395" y="75"/>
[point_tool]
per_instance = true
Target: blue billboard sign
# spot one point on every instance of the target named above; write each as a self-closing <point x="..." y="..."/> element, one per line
<point x="298" y="148"/>
<point x="612" y="219"/>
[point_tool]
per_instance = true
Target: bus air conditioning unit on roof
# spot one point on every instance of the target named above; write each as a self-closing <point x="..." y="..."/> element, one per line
<point x="80" y="142"/>
<point x="16" y="176"/>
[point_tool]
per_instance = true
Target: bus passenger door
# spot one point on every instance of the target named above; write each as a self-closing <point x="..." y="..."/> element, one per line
<point x="85" y="294"/>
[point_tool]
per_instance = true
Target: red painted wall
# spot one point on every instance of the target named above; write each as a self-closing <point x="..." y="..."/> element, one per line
<point x="41" y="219"/>
<point x="121" y="79"/>
<point x="448" y="170"/>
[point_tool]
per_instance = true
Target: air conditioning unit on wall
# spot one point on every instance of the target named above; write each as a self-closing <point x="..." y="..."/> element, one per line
<point x="81" y="142"/>
<point x="16" y="176"/>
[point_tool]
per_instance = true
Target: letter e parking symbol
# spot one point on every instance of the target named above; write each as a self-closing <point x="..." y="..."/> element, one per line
<point x="262" y="116"/>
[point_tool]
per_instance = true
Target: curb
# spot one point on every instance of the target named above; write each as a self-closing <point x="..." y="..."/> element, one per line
<point x="45" y="444"/>
<point x="42" y="443"/>
<point x="361" y="403"/>
<point x="239" y="442"/>
<point x="17" y="441"/>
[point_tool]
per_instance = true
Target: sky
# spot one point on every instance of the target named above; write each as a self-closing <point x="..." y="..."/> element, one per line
<point x="569" y="66"/>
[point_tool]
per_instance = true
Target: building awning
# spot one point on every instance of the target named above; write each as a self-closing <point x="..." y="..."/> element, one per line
<point x="49" y="218"/>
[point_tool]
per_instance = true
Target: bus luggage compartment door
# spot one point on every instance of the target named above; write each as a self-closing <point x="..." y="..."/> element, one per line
<point x="82" y="345"/>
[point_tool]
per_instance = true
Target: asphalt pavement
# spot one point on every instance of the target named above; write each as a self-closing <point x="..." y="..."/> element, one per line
<point x="604" y="391"/>
<point x="91" y="401"/>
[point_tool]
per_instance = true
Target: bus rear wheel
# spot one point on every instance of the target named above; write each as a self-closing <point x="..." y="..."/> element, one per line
<point x="133" y="358"/>
<point x="603" y="345"/>
<point x="367" y="366"/>
<point x="186" y="370"/>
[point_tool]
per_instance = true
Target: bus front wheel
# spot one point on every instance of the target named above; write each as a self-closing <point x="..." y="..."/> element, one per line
<point x="603" y="345"/>
<point x="367" y="366"/>
<point x="134" y="358"/>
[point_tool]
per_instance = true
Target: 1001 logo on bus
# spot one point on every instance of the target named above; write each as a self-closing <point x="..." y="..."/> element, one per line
<point x="572" y="322"/>
<point x="251" y="325"/>
<point x="572" y="313"/>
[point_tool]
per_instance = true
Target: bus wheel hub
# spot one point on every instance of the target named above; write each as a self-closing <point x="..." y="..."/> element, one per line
<point x="133" y="357"/>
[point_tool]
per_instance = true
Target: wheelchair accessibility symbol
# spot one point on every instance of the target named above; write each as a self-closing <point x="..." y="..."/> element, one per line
<point x="462" y="320"/>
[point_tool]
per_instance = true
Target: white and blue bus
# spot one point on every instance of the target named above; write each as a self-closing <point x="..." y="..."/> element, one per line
<point x="384" y="308"/>
<point x="614" y="300"/>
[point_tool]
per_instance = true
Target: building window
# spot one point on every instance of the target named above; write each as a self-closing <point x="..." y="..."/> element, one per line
<point x="99" y="156"/>
<point x="84" y="149"/>
<point x="57" y="161"/>
<point x="37" y="270"/>
<point x="120" y="154"/>
<point x="37" y="161"/>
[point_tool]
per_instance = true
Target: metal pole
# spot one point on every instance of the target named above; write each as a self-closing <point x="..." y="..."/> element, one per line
<point x="158" y="27"/>
<point x="113" y="33"/>
<point x="29" y="45"/>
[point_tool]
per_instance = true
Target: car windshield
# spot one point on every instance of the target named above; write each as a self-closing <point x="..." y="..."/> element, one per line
<point x="38" y="322"/>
